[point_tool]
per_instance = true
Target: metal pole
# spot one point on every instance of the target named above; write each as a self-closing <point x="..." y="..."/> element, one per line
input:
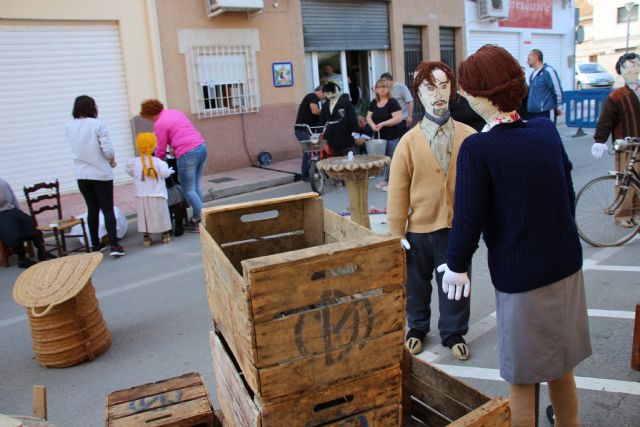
<point x="626" y="50"/>
<point x="629" y="6"/>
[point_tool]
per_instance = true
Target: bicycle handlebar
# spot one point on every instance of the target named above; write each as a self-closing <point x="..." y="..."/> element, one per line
<point x="628" y="142"/>
<point x="316" y="129"/>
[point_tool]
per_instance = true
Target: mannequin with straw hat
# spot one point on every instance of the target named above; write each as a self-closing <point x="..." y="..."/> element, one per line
<point x="148" y="173"/>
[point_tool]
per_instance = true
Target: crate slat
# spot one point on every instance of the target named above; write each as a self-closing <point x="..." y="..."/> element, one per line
<point x="337" y="229"/>
<point x="301" y="375"/>
<point x="447" y="384"/>
<point x="187" y="414"/>
<point x="493" y="413"/>
<point x="178" y="402"/>
<point x="242" y="221"/>
<point x="153" y="402"/>
<point x="154" y="388"/>
<point x="331" y="327"/>
<point x="285" y="282"/>
<point x="380" y="417"/>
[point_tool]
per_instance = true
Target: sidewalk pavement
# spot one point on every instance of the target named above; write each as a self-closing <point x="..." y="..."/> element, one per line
<point x="215" y="186"/>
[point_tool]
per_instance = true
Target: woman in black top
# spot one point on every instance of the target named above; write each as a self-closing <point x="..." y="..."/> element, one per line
<point x="384" y="116"/>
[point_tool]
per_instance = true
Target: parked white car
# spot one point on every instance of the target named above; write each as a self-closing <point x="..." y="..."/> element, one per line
<point x="591" y="75"/>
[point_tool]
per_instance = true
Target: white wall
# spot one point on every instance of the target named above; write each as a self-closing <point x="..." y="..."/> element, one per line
<point x="563" y="25"/>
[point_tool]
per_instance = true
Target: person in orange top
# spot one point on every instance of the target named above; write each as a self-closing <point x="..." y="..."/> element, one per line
<point x="420" y="207"/>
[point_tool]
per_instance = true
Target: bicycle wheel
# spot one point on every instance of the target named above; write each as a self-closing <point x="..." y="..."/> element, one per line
<point x="596" y="206"/>
<point x="316" y="178"/>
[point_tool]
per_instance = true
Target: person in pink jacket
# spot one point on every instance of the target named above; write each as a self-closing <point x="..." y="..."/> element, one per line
<point x="173" y="128"/>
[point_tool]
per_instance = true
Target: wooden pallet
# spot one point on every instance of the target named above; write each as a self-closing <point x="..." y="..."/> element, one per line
<point x="430" y="397"/>
<point x="303" y="297"/>
<point x="372" y="400"/>
<point x="178" y="402"/>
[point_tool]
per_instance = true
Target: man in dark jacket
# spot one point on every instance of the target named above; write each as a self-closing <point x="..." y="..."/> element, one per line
<point x="545" y="90"/>
<point x="338" y="108"/>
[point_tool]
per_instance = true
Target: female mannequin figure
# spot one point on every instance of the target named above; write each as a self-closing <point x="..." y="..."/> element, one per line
<point x="514" y="185"/>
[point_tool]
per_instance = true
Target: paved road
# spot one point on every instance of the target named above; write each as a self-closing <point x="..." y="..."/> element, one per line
<point x="154" y="303"/>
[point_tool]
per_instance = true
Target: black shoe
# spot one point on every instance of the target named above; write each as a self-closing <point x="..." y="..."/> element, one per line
<point x="117" y="251"/>
<point x="178" y="232"/>
<point x="192" y="224"/>
<point x="414" y="339"/>
<point x="26" y="263"/>
<point x="458" y="346"/>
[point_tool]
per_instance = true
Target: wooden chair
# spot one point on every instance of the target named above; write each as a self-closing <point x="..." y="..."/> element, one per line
<point x="48" y="198"/>
<point x="6" y="252"/>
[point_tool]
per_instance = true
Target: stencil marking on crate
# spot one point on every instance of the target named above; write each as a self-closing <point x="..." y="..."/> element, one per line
<point x="146" y="403"/>
<point x="324" y="317"/>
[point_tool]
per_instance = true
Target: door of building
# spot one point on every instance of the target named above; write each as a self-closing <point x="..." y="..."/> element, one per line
<point x="412" y="37"/>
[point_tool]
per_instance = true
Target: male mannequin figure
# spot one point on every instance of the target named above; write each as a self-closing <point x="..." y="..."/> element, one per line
<point x="423" y="176"/>
<point x="339" y="135"/>
<point x="620" y="116"/>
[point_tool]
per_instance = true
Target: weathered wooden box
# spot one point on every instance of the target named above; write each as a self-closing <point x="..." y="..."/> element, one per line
<point x="304" y="298"/>
<point x="372" y="400"/>
<point x="177" y="402"/>
<point x="430" y="397"/>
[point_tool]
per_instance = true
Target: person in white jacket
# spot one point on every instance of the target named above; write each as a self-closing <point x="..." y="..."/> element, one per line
<point x="148" y="173"/>
<point x="94" y="160"/>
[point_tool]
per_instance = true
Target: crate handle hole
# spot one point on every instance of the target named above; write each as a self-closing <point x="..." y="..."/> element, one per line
<point x="260" y="216"/>
<point x="345" y="270"/>
<point x="335" y="402"/>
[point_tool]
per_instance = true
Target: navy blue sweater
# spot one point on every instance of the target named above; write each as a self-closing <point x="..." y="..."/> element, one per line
<point x="514" y="185"/>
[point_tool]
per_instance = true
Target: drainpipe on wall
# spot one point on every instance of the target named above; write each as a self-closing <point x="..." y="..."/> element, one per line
<point x="156" y="51"/>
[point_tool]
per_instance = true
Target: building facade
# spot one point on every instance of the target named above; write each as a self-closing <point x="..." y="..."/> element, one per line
<point x="605" y="33"/>
<point x="241" y="74"/>
<point x="548" y="25"/>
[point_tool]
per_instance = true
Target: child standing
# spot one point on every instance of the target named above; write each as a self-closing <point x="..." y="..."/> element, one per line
<point x="148" y="173"/>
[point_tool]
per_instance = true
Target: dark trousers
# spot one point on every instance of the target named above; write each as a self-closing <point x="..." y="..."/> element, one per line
<point x="428" y="251"/>
<point x="303" y="135"/>
<point x="98" y="195"/>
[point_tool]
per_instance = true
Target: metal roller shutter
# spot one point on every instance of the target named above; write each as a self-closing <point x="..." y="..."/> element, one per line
<point x="345" y="25"/>
<point x="509" y="41"/>
<point x="42" y="69"/>
<point x="551" y="47"/>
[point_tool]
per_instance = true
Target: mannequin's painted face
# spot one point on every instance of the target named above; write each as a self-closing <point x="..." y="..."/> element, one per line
<point x="332" y="96"/>
<point x="435" y="98"/>
<point x="630" y="70"/>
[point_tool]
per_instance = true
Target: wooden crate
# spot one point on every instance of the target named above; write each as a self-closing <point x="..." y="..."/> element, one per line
<point x="430" y="397"/>
<point x="305" y="298"/>
<point x="372" y="400"/>
<point x="178" y="402"/>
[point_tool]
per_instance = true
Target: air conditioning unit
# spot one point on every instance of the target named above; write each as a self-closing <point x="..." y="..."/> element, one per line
<point x="216" y="7"/>
<point x="492" y="9"/>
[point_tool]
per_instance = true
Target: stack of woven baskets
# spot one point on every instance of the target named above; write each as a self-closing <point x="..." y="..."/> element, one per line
<point x="64" y="315"/>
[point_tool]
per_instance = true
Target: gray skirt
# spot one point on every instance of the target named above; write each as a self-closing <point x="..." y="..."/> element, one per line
<point x="543" y="333"/>
<point x="153" y="215"/>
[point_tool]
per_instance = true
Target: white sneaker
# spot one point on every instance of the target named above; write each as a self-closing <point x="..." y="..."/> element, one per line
<point x="626" y="223"/>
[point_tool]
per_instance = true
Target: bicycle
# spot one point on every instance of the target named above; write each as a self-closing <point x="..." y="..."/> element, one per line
<point x="317" y="148"/>
<point x="600" y="199"/>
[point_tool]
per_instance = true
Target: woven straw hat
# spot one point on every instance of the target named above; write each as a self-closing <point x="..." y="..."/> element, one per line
<point x="53" y="282"/>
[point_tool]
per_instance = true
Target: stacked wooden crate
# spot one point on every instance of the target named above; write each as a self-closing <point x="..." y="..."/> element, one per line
<point x="308" y="312"/>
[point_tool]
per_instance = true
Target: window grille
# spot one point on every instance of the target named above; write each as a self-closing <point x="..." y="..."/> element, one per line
<point x="225" y="80"/>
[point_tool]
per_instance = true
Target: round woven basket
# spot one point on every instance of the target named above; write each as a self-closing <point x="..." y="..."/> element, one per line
<point x="66" y="323"/>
